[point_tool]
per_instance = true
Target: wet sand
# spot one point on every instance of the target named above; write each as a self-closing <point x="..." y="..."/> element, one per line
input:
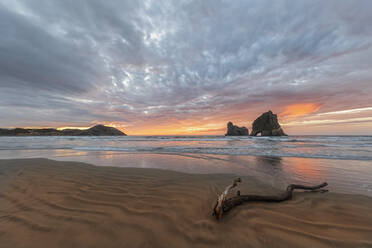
<point x="45" y="203"/>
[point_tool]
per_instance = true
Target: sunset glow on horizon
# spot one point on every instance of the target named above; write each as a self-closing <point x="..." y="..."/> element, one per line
<point x="296" y="119"/>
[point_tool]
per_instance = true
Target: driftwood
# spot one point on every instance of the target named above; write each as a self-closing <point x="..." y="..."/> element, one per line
<point x="225" y="204"/>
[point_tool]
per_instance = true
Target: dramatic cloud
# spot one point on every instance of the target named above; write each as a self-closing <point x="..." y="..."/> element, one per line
<point x="185" y="66"/>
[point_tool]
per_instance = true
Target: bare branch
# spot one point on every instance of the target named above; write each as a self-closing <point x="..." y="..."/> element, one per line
<point x="218" y="208"/>
<point x="224" y="205"/>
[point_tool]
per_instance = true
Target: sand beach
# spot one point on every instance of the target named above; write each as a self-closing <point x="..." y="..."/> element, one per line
<point x="47" y="203"/>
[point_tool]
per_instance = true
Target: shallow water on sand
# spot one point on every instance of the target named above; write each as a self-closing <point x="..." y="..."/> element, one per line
<point x="345" y="162"/>
<point x="343" y="176"/>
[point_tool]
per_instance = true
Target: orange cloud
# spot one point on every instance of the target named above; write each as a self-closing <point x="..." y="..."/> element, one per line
<point x="300" y="109"/>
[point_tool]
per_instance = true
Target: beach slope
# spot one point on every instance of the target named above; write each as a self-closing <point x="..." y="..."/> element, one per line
<point x="45" y="203"/>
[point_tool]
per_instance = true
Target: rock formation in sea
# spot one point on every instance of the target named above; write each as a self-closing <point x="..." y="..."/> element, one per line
<point x="267" y="124"/>
<point x="233" y="130"/>
<point x="98" y="130"/>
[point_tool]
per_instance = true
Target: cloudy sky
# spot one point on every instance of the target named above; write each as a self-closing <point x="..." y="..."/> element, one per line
<point x="172" y="67"/>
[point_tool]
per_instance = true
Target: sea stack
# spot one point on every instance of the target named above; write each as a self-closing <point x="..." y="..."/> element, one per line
<point x="233" y="130"/>
<point x="267" y="125"/>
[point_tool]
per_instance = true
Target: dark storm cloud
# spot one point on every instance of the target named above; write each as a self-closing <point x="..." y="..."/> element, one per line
<point x="85" y="61"/>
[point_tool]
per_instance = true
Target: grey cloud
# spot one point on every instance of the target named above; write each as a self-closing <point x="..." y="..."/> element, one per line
<point x="33" y="58"/>
<point x="180" y="58"/>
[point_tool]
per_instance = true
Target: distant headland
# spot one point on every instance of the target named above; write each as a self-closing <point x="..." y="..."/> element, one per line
<point x="98" y="130"/>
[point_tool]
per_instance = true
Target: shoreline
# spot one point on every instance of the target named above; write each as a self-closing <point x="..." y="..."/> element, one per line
<point x="343" y="176"/>
<point x="321" y="147"/>
<point x="74" y="204"/>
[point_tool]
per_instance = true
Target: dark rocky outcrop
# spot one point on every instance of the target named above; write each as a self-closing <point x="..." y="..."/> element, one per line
<point x="233" y="130"/>
<point x="98" y="130"/>
<point x="267" y="124"/>
<point x="101" y="130"/>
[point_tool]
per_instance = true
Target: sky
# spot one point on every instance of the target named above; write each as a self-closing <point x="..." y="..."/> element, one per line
<point x="187" y="67"/>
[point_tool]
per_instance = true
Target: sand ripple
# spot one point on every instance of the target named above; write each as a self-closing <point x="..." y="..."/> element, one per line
<point x="45" y="203"/>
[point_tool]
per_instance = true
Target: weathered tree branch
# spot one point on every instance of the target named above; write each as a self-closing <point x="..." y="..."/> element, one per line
<point x="222" y="198"/>
<point x="224" y="205"/>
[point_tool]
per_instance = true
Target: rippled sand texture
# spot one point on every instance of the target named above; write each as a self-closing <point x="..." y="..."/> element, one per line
<point x="45" y="203"/>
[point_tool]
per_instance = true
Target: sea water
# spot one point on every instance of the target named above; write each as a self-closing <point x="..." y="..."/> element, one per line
<point x="345" y="162"/>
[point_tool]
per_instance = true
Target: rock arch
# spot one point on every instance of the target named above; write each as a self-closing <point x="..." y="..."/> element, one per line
<point x="267" y="125"/>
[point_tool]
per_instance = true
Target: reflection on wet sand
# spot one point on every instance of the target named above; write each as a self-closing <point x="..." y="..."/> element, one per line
<point x="345" y="176"/>
<point x="68" y="153"/>
<point x="306" y="168"/>
<point x="271" y="171"/>
<point x="274" y="161"/>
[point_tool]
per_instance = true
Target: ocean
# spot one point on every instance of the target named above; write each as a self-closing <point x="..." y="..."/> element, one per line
<point x="345" y="162"/>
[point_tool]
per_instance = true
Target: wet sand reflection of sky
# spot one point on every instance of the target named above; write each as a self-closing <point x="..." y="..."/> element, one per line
<point x="345" y="176"/>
